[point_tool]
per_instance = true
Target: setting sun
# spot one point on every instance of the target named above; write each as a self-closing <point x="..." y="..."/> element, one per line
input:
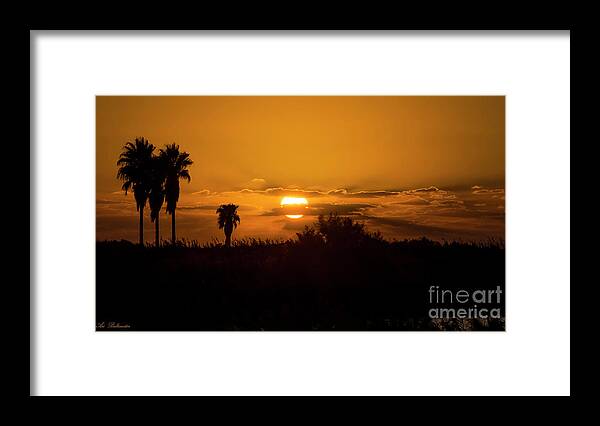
<point x="294" y="202"/>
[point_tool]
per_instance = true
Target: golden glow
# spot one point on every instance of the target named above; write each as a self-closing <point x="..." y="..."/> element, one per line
<point x="294" y="201"/>
<point x="285" y="201"/>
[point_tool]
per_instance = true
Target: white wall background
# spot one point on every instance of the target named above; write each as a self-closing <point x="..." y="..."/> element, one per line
<point x="531" y="357"/>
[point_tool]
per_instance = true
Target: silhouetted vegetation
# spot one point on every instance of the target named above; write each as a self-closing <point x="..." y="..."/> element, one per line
<point x="153" y="178"/>
<point x="335" y="275"/>
<point x="228" y="220"/>
<point x="176" y="168"/>
<point x="136" y="173"/>
<point x="156" y="197"/>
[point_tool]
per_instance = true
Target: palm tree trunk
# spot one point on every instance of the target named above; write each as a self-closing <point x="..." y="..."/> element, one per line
<point x="228" y="229"/>
<point x="142" y="226"/>
<point x="156" y="230"/>
<point x="173" y="227"/>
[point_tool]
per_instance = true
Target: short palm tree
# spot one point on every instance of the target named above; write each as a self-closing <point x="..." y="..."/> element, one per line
<point x="134" y="171"/>
<point x="156" y="197"/>
<point x="176" y="164"/>
<point x="228" y="220"/>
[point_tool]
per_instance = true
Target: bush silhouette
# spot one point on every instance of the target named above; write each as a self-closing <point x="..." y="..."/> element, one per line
<point x="338" y="232"/>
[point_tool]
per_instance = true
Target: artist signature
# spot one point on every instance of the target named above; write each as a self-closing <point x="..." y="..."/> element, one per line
<point x="112" y="325"/>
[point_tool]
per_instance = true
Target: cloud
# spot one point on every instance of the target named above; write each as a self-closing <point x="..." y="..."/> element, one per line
<point x="211" y="207"/>
<point x="341" y="209"/>
<point x="470" y="213"/>
<point x="279" y="191"/>
<point x="420" y="190"/>
<point x="104" y="201"/>
<point x="362" y="194"/>
<point x="404" y="228"/>
<point x="353" y="209"/>
<point x="481" y="190"/>
<point x="466" y="214"/>
<point x="257" y="186"/>
<point x="411" y="202"/>
<point x="447" y="203"/>
<point x="197" y="207"/>
<point x="204" y="192"/>
<point x="402" y="225"/>
<point x="340" y="192"/>
<point x="256" y="183"/>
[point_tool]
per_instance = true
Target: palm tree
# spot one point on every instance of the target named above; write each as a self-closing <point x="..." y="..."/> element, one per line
<point x="176" y="164"/>
<point x="156" y="198"/>
<point x="228" y="220"/>
<point x="134" y="171"/>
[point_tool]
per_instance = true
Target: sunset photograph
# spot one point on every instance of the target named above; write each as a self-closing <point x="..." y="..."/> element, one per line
<point x="300" y="213"/>
<point x="381" y="213"/>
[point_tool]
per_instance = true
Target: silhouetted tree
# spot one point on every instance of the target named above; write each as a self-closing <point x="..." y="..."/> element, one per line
<point x="176" y="164"/>
<point x="310" y="237"/>
<point x="156" y="197"/>
<point x="228" y="220"/>
<point x="343" y="231"/>
<point x="134" y="171"/>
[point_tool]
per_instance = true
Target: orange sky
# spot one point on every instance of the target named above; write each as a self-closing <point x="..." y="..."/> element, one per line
<point x="408" y="166"/>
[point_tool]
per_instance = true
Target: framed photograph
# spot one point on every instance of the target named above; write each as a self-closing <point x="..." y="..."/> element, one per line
<point x="300" y="213"/>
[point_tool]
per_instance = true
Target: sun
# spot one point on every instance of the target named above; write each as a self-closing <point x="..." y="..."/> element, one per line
<point x="294" y="205"/>
<point x="294" y="200"/>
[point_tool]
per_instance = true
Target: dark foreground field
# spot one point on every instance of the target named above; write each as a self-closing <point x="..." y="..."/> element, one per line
<point x="301" y="284"/>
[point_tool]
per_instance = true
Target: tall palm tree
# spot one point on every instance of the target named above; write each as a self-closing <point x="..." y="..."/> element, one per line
<point x="176" y="164"/>
<point x="228" y="220"/>
<point x="134" y="171"/>
<point x="156" y="197"/>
